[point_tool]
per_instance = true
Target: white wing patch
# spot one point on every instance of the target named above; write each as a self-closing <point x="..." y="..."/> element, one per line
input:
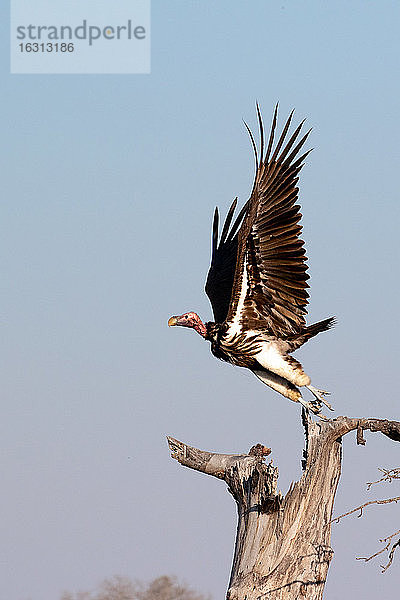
<point x="234" y="326"/>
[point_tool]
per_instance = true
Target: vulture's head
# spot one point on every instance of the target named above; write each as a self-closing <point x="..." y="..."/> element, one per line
<point x="190" y="319"/>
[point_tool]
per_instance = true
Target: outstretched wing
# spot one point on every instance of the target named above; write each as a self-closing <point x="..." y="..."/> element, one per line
<point x="270" y="283"/>
<point x="223" y="263"/>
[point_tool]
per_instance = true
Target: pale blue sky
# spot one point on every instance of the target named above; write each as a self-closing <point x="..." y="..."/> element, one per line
<point x="109" y="186"/>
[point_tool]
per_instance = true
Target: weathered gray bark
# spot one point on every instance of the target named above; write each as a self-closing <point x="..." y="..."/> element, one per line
<point x="282" y="548"/>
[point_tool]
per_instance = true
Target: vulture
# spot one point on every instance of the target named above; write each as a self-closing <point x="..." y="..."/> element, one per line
<point x="257" y="281"/>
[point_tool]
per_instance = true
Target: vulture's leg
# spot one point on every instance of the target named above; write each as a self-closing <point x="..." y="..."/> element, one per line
<point x="278" y="384"/>
<point x="319" y="395"/>
<point x="285" y="366"/>
<point x="287" y="389"/>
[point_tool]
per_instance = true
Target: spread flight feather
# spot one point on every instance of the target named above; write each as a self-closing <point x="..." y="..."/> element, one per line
<point x="257" y="281"/>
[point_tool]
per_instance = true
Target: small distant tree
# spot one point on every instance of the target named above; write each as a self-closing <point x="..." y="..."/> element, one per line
<point x="122" y="588"/>
<point x="77" y="596"/>
<point x="167" y="588"/>
<point x="117" y="588"/>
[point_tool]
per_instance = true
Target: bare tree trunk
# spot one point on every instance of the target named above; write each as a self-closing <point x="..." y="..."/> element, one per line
<point x="282" y="548"/>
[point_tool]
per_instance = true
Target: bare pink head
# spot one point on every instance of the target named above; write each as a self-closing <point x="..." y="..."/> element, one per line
<point x="190" y="319"/>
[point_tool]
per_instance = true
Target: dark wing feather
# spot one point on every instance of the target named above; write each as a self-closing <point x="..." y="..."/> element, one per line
<point x="223" y="263"/>
<point x="270" y="283"/>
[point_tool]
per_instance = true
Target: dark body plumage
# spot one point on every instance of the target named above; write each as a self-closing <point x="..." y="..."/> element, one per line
<point x="257" y="282"/>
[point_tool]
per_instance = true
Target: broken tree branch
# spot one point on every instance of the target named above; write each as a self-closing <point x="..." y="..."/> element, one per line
<point x="282" y="549"/>
<point x="362" y="506"/>
<point x="388" y="475"/>
<point x="387" y="539"/>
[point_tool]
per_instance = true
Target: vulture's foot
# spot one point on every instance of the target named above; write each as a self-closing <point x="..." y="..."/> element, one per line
<point x="319" y="395"/>
<point x="314" y="406"/>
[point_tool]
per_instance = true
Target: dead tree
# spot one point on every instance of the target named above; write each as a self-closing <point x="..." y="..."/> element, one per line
<point x="282" y="548"/>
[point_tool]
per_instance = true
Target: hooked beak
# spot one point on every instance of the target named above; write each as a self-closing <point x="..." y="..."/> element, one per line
<point x="172" y="321"/>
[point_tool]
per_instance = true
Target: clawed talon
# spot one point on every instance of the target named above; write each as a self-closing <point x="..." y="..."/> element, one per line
<point x="323" y="417"/>
<point x="314" y="406"/>
<point x="319" y="395"/>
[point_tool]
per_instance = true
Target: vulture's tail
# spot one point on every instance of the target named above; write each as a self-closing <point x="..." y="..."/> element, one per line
<point x="324" y="325"/>
<point x="311" y="331"/>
